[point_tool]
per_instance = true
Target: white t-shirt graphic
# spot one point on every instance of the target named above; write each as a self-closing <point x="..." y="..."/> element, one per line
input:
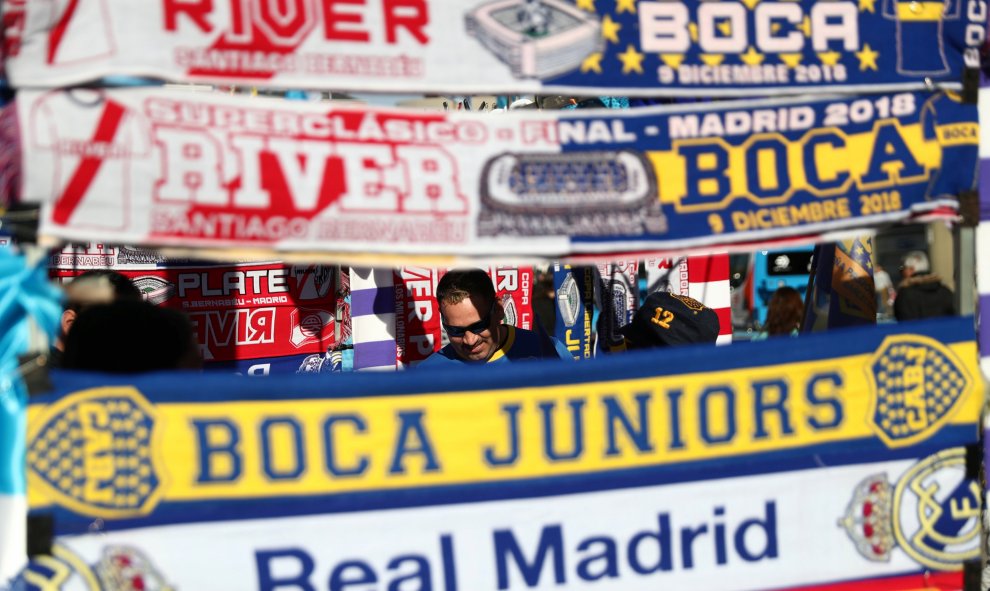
<point x="78" y="31"/>
<point x="93" y="141"/>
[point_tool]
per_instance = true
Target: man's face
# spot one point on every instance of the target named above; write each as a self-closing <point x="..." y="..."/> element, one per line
<point x="482" y="341"/>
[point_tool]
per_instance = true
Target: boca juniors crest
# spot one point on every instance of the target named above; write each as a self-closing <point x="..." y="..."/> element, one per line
<point x="93" y="453"/>
<point x="916" y="382"/>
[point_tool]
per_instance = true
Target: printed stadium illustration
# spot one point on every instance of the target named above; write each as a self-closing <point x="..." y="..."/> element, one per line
<point x="536" y="38"/>
<point x="593" y="193"/>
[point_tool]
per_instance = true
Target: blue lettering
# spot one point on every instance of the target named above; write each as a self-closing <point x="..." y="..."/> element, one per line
<point x="707" y="181"/>
<point x="218" y="440"/>
<point x="447" y="559"/>
<point x="609" y="554"/>
<point x="811" y="168"/>
<point x="506" y="547"/>
<point x="412" y="424"/>
<point x="757" y="176"/>
<point x="762" y="405"/>
<point x="688" y="535"/>
<point x="512" y="410"/>
<point x="328" y="442"/>
<point x="823" y="391"/>
<point x="892" y="158"/>
<point x="364" y="575"/>
<point x="297" y="450"/>
<point x="769" y="527"/>
<point x="421" y="573"/>
<point x="548" y="431"/>
<point x="267" y="582"/>
<point x="674" y="399"/>
<point x="662" y="538"/>
<point x="640" y="437"/>
<point x="729" y="412"/>
<point x="721" y="556"/>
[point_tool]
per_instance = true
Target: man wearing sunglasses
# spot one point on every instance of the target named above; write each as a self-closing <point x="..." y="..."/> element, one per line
<point x="472" y="316"/>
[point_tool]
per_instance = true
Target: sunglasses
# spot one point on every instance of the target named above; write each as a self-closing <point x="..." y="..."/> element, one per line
<point x="477" y="328"/>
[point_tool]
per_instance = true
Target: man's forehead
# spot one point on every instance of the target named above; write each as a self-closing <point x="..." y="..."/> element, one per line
<point x="466" y="305"/>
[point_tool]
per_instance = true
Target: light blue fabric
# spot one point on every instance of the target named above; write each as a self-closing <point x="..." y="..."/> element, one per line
<point x="24" y="292"/>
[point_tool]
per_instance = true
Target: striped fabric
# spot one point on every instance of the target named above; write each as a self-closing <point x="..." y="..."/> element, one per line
<point x="704" y="278"/>
<point x="983" y="236"/>
<point x="373" y="319"/>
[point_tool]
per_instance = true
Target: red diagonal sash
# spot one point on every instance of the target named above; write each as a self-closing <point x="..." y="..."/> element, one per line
<point x="82" y="178"/>
<point x="58" y="31"/>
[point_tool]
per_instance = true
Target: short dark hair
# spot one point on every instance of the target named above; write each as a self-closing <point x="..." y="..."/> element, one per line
<point x="129" y="336"/>
<point x="123" y="288"/>
<point x="458" y="284"/>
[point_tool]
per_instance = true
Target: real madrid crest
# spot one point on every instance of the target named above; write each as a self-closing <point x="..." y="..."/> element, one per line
<point x="932" y="514"/>
<point x="119" y="568"/>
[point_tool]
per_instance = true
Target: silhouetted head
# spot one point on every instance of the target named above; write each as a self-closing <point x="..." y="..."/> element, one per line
<point x="129" y="336"/>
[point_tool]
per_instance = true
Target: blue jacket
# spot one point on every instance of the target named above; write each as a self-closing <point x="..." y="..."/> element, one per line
<point x="520" y="345"/>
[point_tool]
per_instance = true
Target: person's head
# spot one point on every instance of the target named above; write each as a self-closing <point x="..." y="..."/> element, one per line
<point x="470" y="312"/>
<point x="784" y="312"/>
<point x="914" y="263"/>
<point x="667" y="319"/>
<point x="98" y="286"/>
<point x="128" y="336"/>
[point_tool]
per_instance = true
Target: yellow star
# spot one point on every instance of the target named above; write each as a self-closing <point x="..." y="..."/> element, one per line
<point x="791" y="60"/>
<point x="775" y="28"/>
<point x="592" y="63"/>
<point x="673" y="60"/>
<point x="693" y="31"/>
<point x="712" y="59"/>
<point x="867" y="58"/>
<point x="805" y="26"/>
<point x="610" y="29"/>
<point x="750" y="4"/>
<point x="829" y="58"/>
<point x="588" y="5"/>
<point x="632" y="60"/>
<point x="625" y="6"/>
<point x="867" y="6"/>
<point x="725" y="27"/>
<point x="752" y="57"/>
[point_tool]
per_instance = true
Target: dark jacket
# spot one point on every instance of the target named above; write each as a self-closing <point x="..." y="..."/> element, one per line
<point x="923" y="296"/>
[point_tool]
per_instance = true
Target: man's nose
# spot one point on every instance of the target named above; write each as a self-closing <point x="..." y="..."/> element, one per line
<point x="470" y="339"/>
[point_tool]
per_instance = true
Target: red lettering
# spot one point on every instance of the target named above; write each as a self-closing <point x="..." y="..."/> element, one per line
<point x="239" y="327"/>
<point x="196" y="10"/>
<point x="410" y="15"/>
<point x="218" y="328"/>
<point x="240" y="20"/>
<point x="506" y="279"/>
<point x="259" y="328"/>
<point x="332" y="19"/>
<point x="285" y="22"/>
